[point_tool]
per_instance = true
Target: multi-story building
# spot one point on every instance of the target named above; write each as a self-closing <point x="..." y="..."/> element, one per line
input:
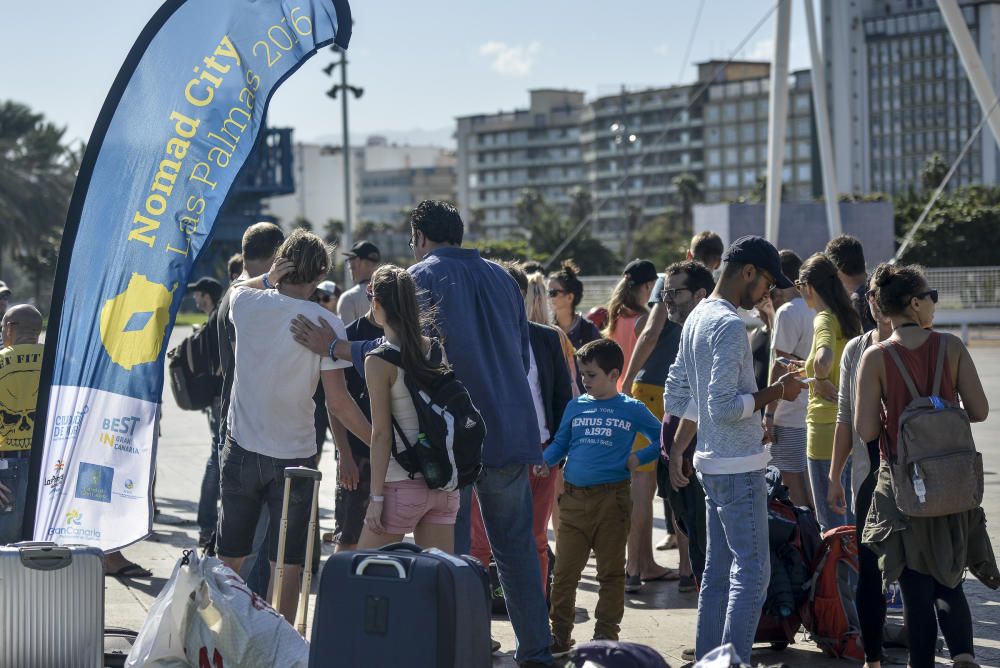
<point x="319" y="180"/>
<point x="388" y="194"/>
<point x="501" y="154"/>
<point x="634" y="144"/>
<point x="899" y="93"/>
<point x="736" y="131"/>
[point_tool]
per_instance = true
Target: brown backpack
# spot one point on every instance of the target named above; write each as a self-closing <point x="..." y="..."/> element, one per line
<point x="937" y="470"/>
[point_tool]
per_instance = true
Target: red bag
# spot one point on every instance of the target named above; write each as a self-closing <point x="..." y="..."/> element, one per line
<point x="833" y="616"/>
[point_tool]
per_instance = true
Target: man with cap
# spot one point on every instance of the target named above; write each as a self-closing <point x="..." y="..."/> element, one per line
<point x="712" y="383"/>
<point x="327" y="294"/>
<point x="4" y="298"/>
<point x="363" y="258"/>
<point x="207" y="292"/>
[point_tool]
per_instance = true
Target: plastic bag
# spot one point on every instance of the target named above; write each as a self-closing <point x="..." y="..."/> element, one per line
<point x="206" y="617"/>
<point x="720" y="657"/>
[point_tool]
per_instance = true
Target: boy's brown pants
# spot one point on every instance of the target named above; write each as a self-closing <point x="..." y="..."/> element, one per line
<point x="597" y="518"/>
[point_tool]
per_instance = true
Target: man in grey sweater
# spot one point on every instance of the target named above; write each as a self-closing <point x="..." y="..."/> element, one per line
<point x="712" y="382"/>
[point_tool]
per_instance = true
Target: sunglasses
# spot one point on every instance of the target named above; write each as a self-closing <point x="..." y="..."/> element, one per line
<point x="933" y="294"/>
<point x="555" y="293"/>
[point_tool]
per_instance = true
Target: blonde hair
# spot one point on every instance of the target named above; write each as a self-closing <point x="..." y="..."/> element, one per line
<point x="624" y="302"/>
<point x="536" y="301"/>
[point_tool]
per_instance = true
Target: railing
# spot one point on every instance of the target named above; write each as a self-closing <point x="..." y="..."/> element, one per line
<point x="968" y="296"/>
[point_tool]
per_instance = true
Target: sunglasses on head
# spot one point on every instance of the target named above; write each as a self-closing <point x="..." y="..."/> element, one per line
<point x="933" y="294"/>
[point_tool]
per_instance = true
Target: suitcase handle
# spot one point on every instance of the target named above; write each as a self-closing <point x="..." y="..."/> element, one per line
<point x="380" y="561"/>
<point x="401" y="547"/>
<point x="45" y="557"/>
<point x="303" y="472"/>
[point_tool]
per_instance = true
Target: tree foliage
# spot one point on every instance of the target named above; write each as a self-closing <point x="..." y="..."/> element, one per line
<point x="933" y="172"/>
<point x="960" y="231"/>
<point x="548" y="228"/>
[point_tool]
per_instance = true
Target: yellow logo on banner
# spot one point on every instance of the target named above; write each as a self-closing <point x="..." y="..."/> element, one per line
<point x="133" y="323"/>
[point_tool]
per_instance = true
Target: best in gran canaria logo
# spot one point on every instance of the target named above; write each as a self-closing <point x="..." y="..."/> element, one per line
<point x="134" y="322"/>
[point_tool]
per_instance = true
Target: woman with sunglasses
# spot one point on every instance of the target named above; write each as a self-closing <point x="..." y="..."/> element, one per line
<point x="327" y="293"/>
<point x="565" y="293"/>
<point x="928" y="555"/>
<point x="836" y="322"/>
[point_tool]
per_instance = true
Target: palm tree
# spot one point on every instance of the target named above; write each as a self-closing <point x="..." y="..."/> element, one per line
<point x="37" y="173"/>
<point x="688" y="193"/>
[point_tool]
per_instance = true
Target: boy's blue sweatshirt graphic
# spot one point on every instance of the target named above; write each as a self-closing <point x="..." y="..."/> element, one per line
<point x="597" y="434"/>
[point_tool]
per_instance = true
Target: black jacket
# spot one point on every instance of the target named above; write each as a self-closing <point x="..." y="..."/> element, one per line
<point x="553" y="376"/>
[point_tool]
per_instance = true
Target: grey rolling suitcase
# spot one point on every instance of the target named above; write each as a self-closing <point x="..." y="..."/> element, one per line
<point x="51" y="606"/>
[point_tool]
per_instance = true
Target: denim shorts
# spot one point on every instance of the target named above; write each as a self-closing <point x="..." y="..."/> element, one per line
<point x="249" y="482"/>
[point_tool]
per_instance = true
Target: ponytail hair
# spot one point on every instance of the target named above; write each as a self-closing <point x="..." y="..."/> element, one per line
<point x="624" y="302"/>
<point x="895" y="286"/>
<point x="396" y="292"/>
<point x="569" y="276"/>
<point x="820" y="273"/>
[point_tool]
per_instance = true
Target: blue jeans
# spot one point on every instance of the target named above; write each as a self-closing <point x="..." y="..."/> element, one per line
<point x="15" y="479"/>
<point x="505" y="501"/>
<point x="738" y="565"/>
<point x="819" y="479"/>
<point x="208" y="502"/>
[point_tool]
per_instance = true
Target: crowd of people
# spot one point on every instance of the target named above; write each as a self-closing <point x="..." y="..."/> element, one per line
<point x="702" y="374"/>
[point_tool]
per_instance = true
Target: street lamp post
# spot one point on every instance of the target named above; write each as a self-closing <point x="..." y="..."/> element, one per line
<point x="624" y="139"/>
<point x="343" y="87"/>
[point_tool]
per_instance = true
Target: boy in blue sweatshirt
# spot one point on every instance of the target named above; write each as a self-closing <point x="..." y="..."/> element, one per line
<point x="596" y="435"/>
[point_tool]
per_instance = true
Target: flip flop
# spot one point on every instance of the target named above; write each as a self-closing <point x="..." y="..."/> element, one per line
<point x="669" y="576"/>
<point x="130" y="571"/>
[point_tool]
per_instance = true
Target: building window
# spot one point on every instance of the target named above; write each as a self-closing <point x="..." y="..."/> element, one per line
<point x="749" y="177"/>
<point x="732" y="179"/>
<point x="729" y="111"/>
<point x="712" y="136"/>
<point x="714" y="179"/>
<point x="729" y="135"/>
<point x="730" y="158"/>
<point x="712" y="113"/>
<point x="749" y="155"/>
<point x="713" y="157"/>
<point x="803" y="172"/>
<point x="746" y="110"/>
<point x="802" y="103"/>
<point x="747" y="133"/>
<point x="802" y="150"/>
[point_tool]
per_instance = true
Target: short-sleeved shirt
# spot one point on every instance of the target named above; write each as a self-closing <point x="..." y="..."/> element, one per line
<point x="826" y="334"/>
<point x="626" y="337"/>
<point x="361" y="329"/>
<point x="793" y="333"/>
<point x="272" y="411"/>
<point x="582" y="331"/>
<point x="354" y="302"/>
<point x="20" y="371"/>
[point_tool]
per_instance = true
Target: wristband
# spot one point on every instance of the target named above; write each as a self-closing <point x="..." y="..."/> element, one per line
<point x="332" y="349"/>
<point x="267" y="283"/>
<point x="378" y="499"/>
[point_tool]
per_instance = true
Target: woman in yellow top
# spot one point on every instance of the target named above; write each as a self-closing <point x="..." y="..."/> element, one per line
<point x="835" y="324"/>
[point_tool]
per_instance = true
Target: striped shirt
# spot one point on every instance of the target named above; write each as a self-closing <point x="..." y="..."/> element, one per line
<point x="712" y="380"/>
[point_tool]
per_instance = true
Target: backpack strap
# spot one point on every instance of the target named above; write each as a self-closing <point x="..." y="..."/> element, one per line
<point x="903" y="371"/>
<point x="939" y="368"/>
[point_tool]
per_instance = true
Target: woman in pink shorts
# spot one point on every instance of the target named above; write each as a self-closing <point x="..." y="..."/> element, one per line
<point x="399" y="505"/>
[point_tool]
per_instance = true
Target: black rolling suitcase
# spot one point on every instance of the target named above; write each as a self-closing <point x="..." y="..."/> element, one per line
<point x="401" y="606"/>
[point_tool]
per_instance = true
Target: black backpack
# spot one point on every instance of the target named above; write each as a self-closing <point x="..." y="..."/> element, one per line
<point x="449" y="448"/>
<point x="193" y="370"/>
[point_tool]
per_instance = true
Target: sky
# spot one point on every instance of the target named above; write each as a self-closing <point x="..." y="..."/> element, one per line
<point x="421" y="64"/>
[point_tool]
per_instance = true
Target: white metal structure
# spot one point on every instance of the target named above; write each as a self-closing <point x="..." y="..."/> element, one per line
<point x="776" y="122"/>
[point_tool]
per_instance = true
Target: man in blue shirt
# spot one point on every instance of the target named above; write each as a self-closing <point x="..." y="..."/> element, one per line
<point x="478" y="311"/>
<point x="597" y="432"/>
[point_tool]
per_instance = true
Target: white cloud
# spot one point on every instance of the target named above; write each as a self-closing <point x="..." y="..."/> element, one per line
<point x="513" y="60"/>
<point x="662" y="49"/>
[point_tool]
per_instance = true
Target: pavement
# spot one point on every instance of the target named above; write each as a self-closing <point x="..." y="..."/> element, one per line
<point x="659" y="616"/>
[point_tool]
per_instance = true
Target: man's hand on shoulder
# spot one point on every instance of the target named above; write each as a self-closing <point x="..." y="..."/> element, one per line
<point x="315" y="337"/>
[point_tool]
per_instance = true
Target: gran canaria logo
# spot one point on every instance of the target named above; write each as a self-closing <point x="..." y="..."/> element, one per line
<point x="134" y="322"/>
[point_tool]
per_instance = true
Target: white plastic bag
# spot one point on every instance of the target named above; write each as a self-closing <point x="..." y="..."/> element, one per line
<point x="720" y="657"/>
<point x="206" y="617"/>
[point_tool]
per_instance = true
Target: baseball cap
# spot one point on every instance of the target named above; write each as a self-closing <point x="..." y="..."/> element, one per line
<point x="640" y="271"/>
<point x="329" y="287"/>
<point x="759" y="252"/>
<point x="4" y="290"/>
<point x="207" y="285"/>
<point x="365" y="250"/>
